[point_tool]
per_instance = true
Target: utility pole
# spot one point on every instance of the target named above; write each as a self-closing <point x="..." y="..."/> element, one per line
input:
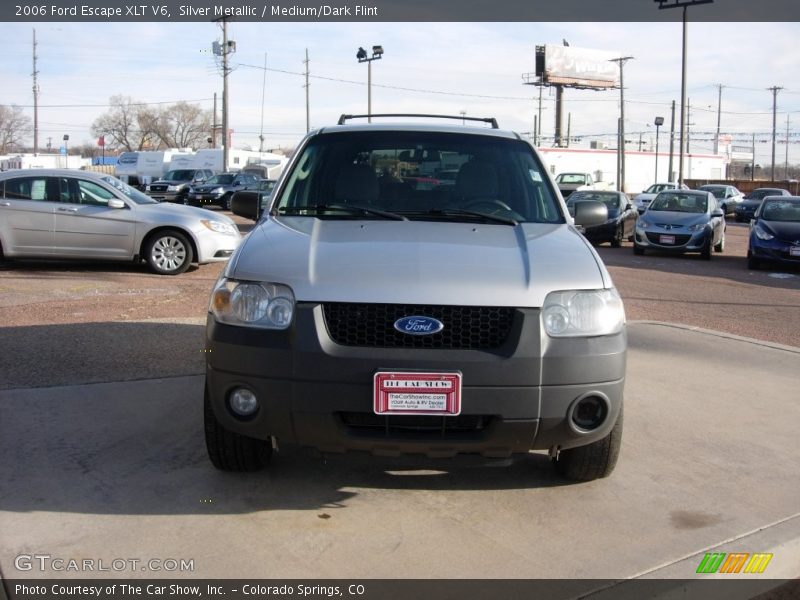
<point x="688" y="123"/>
<point x="308" y="117"/>
<point x="35" y="100"/>
<point x="535" y="130"/>
<point x="227" y="48"/>
<point x="786" y="164"/>
<point x="569" y="127"/>
<point x="671" y="141"/>
<point x="214" y="125"/>
<point x="539" y="130"/>
<point x="621" y="62"/>
<point x="774" y="89"/>
<point x="263" y="96"/>
<point x="719" y="117"/>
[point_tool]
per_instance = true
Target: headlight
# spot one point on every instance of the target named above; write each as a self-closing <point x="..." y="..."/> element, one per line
<point x="583" y="313"/>
<point x="220" y="227"/>
<point x="763" y="235"/>
<point x="697" y="227"/>
<point x="252" y="304"/>
<point x="218" y="190"/>
<point x="176" y="188"/>
<point x="642" y="224"/>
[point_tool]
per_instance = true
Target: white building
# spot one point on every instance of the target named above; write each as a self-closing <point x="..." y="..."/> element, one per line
<point x="640" y="167"/>
<point x="43" y="161"/>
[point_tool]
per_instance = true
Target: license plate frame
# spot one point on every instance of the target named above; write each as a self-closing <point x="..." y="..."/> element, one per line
<point x="794" y="251"/>
<point x="667" y="240"/>
<point x="397" y="392"/>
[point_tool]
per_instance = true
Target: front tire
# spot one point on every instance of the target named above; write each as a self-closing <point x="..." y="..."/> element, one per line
<point x="168" y="252"/>
<point x="705" y="253"/>
<point x="593" y="461"/>
<point x="720" y="247"/>
<point x="231" y="451"/>
<point x="619" y="234"/>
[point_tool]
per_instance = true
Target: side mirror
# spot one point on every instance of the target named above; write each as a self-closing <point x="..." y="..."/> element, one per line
<point x="115" y="203"/>
<point x="717" y="213"/>
<point x="590" y="213"/>
<point x="246" y="204"/>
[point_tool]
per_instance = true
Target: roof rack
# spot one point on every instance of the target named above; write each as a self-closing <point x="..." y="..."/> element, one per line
<point x="490" y="120"/>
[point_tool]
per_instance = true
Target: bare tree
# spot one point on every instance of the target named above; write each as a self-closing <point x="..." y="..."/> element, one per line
<point x="129" y="124"/>
<point x="13" y="126"/>
<point x="183" y="125"/>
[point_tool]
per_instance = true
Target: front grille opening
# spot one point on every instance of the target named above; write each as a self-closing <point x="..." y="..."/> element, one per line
<point x="372" y="326"/>
<point x="428" y="425"/>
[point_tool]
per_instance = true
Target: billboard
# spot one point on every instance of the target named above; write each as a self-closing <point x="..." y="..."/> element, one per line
<point x="577" y="67"/>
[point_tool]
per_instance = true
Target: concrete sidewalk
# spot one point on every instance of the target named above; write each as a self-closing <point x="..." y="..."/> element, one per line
<point x="709" y="463"/>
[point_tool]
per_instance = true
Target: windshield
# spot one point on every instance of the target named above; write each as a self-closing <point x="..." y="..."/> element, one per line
<point x="719" y="192"/>
<point x="762" y="193"/>
<point x="677" y="202"/>
<point x="179" y="175"/>
<point x="659" y="187"/>
<point x="781" y="210"/>
<point x="221" y="179"/>
<point x="398" y="172"/>
<point x="132" y="193"/>
<point x="610" y="199"/>
<point x="571" y="178"/>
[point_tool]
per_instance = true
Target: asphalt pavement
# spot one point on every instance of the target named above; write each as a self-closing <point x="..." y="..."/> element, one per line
<point x="117" y="469"/>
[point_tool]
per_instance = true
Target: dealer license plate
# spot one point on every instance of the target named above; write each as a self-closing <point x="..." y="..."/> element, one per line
<point x="794" y="251"/>
<point x="666" y="239"/>
<point x="416" y="393"/>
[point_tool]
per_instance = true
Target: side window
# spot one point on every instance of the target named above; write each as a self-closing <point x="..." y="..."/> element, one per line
<point x="27" y="188"/>
<point x="66" y="190"/>
<point x="93" y="194"/>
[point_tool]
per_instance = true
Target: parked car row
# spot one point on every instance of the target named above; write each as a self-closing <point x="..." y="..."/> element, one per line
<point x="682" y="220"/>
<point x="201" y="187"/>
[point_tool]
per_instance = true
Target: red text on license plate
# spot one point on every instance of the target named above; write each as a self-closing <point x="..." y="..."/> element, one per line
<point x="417" y="393"/>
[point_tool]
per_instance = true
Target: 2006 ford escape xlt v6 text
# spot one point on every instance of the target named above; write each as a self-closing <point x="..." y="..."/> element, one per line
<point x="378" y="308"/>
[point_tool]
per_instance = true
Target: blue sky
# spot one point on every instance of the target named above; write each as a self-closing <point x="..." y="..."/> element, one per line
<point x="472" y="67"/>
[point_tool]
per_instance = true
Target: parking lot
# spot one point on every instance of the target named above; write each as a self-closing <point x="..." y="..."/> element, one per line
<point x="101" y="425"/>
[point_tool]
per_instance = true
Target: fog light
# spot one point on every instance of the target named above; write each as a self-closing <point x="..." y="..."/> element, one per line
<point x="589" y="413"/>
<point x="243" y="402"/>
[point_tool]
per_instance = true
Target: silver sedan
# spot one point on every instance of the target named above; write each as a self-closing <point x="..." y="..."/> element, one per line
<point x="62" y="213"/>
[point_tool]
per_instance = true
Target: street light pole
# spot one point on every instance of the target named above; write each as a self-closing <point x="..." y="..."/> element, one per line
<point x="684" y="4"/>
<point x="361" y="55"/>
<point x="658" y="123"/>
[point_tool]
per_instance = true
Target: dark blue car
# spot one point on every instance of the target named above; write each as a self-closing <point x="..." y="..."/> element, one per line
<point x="746" y="209"/>
<point x="775" y="232"/>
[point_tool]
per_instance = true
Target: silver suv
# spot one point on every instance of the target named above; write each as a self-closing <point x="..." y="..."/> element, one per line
<point x="376" y="308"/>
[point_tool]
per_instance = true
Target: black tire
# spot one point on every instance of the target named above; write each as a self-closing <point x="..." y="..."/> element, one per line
<point x="225" y="202"/>
<point x="720" y="247"/>
<point x="705" y="253"/>
<point x="231" y="451"/>
<point x="593" y="461"/>
<point x="638" y="250"/>
<point x="168" y="252"/>
<point x="753" y="263"/>
<point x="619" y="235"/>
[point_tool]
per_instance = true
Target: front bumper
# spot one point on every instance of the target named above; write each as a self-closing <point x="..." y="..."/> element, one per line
<point x="213" y="246"/>
<point x="656" y="239"/>
<point x="167" y="196"/>
<point x="203" y="199"/>
<point x="319" y="394"/>
<point x="775" y="251"/>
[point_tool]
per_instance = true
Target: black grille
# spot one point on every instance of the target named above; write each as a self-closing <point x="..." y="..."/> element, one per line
<point x="158" y="188"/>
<point x="372" y="326"/>
<point x="680" y="239"/>
<point x="417" y="424"/>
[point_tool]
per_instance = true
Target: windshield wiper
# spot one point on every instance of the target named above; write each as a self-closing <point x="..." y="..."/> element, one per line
<point x="456" y="212"/>
<point x="348" y="208"/>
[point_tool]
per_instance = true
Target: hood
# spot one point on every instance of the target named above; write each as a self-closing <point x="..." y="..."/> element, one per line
<point x="787" y="231"/>
<point x="747" y="203"/>
<point x="170" y="181"/>
<point x="176" y="211"/>
<point x="668" y="217"/>
<point x="417" y="262"/>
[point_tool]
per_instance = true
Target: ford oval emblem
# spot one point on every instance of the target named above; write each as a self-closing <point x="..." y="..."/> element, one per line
<point x="417" y="325"/>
